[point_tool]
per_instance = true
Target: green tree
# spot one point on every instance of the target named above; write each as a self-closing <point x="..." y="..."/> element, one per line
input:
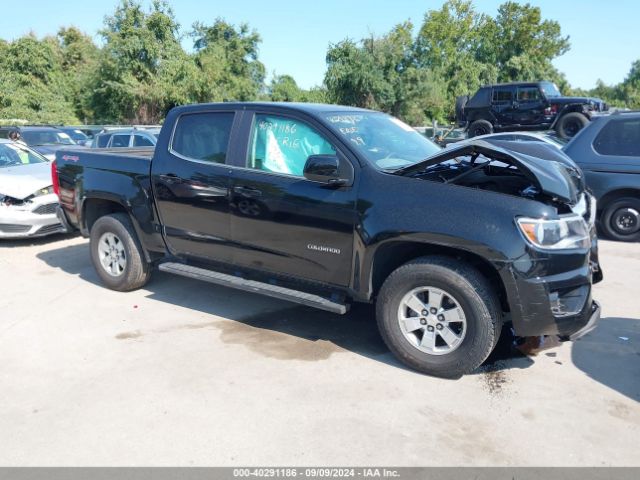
<point x="228" y="62"/>
<point x="32" y="82"/>
<point x="142" y="70"/>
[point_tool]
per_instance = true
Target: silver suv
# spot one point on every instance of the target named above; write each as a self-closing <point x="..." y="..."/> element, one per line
<point x="126" y="137"/>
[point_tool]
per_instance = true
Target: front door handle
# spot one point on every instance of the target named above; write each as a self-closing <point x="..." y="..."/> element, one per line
<point x="247" y="191"/>
<point x="169" y="176"/>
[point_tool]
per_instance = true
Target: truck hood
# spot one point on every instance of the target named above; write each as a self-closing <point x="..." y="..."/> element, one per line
<point x="545" y="166"/>
<point x="23" y="180"/>
<point x="565" y="100"/>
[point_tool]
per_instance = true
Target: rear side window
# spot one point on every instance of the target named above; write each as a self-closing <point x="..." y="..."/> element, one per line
<point x="502" y="95"/>
<point x="141" y="141"/>
<point x="203" y="136"/>
<point x="619" y="138"/>
<point x="528" y="94"/>
<point x="120" y="141"/>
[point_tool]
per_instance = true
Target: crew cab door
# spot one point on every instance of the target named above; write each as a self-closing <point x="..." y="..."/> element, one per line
<point x="282" y="222"/>
<point x="529" y="108"/>
<point x="191" y="182"/>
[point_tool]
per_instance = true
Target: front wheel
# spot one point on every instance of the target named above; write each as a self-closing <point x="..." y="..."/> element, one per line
<point x="439" y="316"/>
<point x="116" y="253"/>
<point x="570" y="124"/>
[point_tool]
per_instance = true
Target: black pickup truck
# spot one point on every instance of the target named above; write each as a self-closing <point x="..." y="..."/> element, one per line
<point x="326" y="205"/>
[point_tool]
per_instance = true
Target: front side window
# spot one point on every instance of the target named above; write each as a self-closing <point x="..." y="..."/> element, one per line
<point x="528" y="94"/>
<point x="203" y="136"/>
<point x="619" y="138"/>
<point x="282" y="145"/>
<point x="383" y="140"/>
<point x="141" y="141"/>
<point x="501" y="95"/>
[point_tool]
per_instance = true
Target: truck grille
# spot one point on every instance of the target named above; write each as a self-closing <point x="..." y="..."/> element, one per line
<point x="47" y="209"/>
<point x="12" y="228"/>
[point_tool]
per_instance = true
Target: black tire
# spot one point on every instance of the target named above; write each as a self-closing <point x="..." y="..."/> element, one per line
<point x="620" y="219"/>
<point x="570" y="124"/>
<point x="136" y="271"/>
<point x="480" y="127"/>
<point x="471" y="290"/>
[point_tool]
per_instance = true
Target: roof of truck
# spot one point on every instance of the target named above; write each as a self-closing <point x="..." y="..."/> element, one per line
<point x="313" y="108"/>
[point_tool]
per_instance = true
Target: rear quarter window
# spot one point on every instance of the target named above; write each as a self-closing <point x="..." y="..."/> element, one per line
<point x="502" y="95"/>
<point x="620" y="138"/>
<point x="203" y="136"/>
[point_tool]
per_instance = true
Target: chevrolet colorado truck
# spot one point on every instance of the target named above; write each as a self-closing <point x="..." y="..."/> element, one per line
<point x="326" y="205"/>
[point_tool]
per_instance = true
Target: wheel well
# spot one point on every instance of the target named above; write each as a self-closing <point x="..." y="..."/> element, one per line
<point x="615" y="195"/>
<point x="395" y="254"/>
<point x="95" y="208"/>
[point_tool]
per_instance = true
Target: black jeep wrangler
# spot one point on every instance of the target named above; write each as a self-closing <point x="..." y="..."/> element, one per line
<point x="525" y="106"/>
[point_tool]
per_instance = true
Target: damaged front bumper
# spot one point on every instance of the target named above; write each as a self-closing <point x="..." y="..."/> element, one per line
<point x="551" y="293"/>
<point x="36" y="218"/>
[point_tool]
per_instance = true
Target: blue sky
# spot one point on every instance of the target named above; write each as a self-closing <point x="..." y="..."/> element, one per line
<point x="604" y="35"/>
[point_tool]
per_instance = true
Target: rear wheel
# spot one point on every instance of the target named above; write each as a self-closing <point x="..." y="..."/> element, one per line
<point x="620" y="219"/>
<point x="570" y="124"/>
<point x="480" y="127"/>
<point x="439" y="316"/>
<point x="116" y="253"/>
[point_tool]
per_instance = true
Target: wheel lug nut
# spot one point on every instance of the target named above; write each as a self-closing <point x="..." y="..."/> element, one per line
<point x="430" y="328"/>
<point x="441" y="318"/>
<point x="424" y="312"/>
<point x="434" y="310"/>
<point x="439" y="326"/>
<point x="423" y="321"/>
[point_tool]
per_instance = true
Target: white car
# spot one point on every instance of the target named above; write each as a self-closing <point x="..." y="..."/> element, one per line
<point x="27" y="202"/>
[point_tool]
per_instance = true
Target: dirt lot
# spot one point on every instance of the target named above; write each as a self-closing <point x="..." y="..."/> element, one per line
<point x="186" y="373"/>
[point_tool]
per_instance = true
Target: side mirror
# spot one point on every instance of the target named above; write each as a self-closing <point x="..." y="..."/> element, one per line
<point x="325" y="169"/>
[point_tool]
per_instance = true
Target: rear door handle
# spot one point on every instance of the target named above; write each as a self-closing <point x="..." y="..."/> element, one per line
<point x="248" y="191"/>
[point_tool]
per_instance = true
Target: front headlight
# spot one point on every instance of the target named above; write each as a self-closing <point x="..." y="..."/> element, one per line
<point x="43" y="191"/>
<point x="569" y="231"/>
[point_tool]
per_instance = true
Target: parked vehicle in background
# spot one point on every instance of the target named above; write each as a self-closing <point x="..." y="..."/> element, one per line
<point x="326" y="205"/>
<point x="443" y="136"/>
<point x="44" y="140"/>
<point x="126" y="137"/>
<point x="76" y="135"/>
<point x="27" y="201"/>
<point x="608" y="151"/>
<point x="525" y="106"/>
<point x="542" y="137"/>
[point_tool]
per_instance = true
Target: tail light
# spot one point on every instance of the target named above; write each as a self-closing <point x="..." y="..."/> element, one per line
<point x="55" y="181"/>
<point x="551" y="110"/>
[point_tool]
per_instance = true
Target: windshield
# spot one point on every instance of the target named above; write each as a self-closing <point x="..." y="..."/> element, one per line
<point x="14" y="154"/>
<point x="383" y="140"/>
<point x="550" y="89"/>
<point x="46" y="137"/>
